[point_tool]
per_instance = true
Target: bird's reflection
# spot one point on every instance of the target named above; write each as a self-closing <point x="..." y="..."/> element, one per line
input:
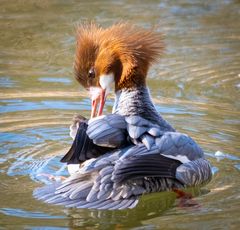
<point x="149" y="207"/>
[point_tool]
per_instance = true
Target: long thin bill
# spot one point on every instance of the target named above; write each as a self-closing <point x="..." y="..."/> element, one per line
<point x="94" y="108"/>
<point x="98" y="104"/>
<point x="102" y="102"/>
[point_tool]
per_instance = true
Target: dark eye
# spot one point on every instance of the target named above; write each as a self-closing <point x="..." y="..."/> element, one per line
<point x="91" y="73"/>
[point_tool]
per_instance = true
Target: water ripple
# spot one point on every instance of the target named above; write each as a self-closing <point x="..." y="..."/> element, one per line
<point x="195" y="86"/>
<point x="27" y="214"/>
<point x="12" y="106"/>
<point x="55" y="80"/>
<point x="7" y="82"/>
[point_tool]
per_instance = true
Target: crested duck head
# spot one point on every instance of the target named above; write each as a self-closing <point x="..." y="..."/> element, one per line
<point x="115" y="58"/>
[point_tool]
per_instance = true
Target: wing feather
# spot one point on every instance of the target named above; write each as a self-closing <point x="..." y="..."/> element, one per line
<point x="108" y="131"/>
<point x="83" y="147"/>
<point x="150" y="165"/>
<point x="159" y="161"/>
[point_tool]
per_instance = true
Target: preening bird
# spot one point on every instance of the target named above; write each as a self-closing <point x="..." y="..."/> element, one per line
<point x="133" y="151"/>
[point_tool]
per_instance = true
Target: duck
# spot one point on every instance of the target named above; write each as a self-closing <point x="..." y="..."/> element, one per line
<point x="133" y="151"/>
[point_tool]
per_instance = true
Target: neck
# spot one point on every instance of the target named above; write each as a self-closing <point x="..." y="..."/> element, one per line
<point x="137" y="102"/>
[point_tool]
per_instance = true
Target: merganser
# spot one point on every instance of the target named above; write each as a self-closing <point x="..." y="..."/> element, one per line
<point x="132" y="151"/>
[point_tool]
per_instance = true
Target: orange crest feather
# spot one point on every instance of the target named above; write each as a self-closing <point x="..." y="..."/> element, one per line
<point x="135" y="48"/>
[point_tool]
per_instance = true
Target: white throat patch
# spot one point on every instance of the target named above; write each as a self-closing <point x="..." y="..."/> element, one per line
<point x="107" y="81"/>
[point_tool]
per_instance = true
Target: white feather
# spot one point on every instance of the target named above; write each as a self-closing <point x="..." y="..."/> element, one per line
<point x="107" y="81"/>
<point x="181" y="158"/>
<point x="73" y="168"/>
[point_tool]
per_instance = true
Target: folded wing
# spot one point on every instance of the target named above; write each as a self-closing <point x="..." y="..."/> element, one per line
<point x="83" y="147"/>
<point x="134" y="157"/>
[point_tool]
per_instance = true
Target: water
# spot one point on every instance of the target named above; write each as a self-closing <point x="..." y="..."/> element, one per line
<point x="195" y="87"/>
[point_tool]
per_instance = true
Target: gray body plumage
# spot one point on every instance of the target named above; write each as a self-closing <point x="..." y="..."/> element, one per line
<point x="149" y="156"/>
<point x="137" y="102"/>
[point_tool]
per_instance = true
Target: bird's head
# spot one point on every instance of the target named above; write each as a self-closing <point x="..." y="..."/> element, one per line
<point x="114" y="58"/>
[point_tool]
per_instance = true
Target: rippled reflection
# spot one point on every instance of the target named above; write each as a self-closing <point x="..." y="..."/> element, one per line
<point x="195" y="87"/>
